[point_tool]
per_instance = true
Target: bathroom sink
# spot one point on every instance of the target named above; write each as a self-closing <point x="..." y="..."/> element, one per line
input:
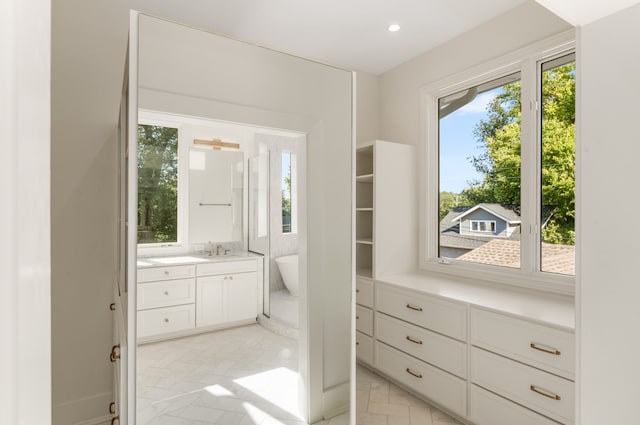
<point x="178" y="260"/>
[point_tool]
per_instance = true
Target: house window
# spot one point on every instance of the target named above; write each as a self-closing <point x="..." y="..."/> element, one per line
<point x="289" y="184"/>
<point x="500" y="161"/>
<point x="479" y="173"/>
<point x="157" y="185"/>
<point x="483" y="226"/>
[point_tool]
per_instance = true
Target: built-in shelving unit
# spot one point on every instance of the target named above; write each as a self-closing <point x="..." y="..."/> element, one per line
<point x="365" y="211"/>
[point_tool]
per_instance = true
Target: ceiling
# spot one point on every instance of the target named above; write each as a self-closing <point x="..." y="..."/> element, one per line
<point x="348" y="33"/>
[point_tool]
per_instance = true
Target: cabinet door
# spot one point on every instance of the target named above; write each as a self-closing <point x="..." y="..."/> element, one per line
<point x="210" y="301"/>
<point x="242" y="295"/>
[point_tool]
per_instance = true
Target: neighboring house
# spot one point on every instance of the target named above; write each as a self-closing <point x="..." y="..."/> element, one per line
<point x="464" y="229"/>
<point x="490" y="234"/>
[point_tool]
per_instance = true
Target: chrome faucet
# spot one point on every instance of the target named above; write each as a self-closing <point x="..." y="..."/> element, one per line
<point x="218" y="249"/>
<point x="209" y="249"/>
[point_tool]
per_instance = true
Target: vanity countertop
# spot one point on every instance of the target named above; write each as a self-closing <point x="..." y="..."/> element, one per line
<point x="176" y="260"/>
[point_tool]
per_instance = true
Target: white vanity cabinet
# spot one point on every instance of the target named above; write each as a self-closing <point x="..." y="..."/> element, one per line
<point x="184" y="299"/>
<point x="165" y="300"/>
<point x="227" y="292"/>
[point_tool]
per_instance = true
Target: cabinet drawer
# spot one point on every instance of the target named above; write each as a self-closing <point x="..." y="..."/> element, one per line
<point x="541" y="346"/>
<point x="439" y="386"/>
<point x="166" y="293"/>
<point x="224" y="267"/>
<point x="364" y="320"/>
<point x="151" y="274"/>
<point x="364" y="292"/>
<point x="548" y="394"/>
<point x="364" y="348"/>
<point x="166" y="320"/>
<point x="486" y="408"/>
<point x="440" y="351"/>
<point x="439" y="315"/>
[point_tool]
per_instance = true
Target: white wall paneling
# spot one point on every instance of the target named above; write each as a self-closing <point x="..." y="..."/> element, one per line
<point x="25" y="305"/>
<point x="607" y="287"/>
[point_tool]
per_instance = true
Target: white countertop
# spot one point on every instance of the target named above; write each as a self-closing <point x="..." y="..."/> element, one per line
<point x="178" y="260"/>
<point x="546" y="308"/>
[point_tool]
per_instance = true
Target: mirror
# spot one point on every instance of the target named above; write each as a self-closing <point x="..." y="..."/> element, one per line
<point x="215" y="195"/>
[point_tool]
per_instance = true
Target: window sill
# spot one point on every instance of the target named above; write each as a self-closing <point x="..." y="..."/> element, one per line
<point x="516" y="278"/>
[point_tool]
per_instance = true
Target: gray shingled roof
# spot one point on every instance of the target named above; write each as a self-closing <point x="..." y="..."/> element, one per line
<point x="509" y="212"/>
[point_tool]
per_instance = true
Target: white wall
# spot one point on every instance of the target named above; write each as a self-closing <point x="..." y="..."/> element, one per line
<point x="25" y="309"/>
<point x="88" y="53"/>
<point x="399" y="88"/>
<point x="238" y="82"/>
<point x="367" y="107"/>
<point x="608" y="290"/>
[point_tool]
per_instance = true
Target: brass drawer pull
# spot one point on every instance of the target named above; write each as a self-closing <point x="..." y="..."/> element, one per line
<point x="357" y="290"/>
<point x="357" y="317"/>
<point x="112" y="408"/>
<point x="166" y="292"/>
<point x="166" y="272"/>
<point x="115" y="420"/>
<point x="357" y="343"/>
<point x="115" y="353"/>
<point x="415" y="341"/>
<point x="544" y="393"/>
<point x="544" y="350"/>
<point x="417" y="375"/>
<point x="112" y="306"/>
<point x="413" y="307"/>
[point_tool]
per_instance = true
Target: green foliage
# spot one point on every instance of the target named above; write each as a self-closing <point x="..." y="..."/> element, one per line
<point x="499" y="162"/>
<point x="286" y="202"/>
<point x="157" y="184"/>
<point x="448" y="200"/>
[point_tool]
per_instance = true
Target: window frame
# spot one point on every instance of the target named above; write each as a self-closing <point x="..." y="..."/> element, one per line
<point x="528" y="62"/>
<point x="182" y="243"/>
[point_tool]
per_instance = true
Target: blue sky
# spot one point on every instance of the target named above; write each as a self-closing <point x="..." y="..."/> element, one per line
<point x="458" y="145"/>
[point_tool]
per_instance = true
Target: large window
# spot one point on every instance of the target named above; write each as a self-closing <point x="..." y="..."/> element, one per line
<point x="157" y="184"/>
<point x="500" y="183"/>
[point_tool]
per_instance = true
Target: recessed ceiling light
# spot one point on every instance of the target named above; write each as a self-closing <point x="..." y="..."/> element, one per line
<point x="393" y="28"/>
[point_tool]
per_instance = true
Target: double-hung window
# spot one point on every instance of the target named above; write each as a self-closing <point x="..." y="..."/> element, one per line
<point x="500" y="187"/>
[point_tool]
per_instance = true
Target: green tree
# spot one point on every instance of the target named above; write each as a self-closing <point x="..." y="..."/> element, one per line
<point x="157" y="184"/>
<point x="500" y="163"/>
<point x="448" y="200"/>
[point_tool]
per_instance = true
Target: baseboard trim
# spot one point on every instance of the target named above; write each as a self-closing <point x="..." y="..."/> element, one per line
<point x="91" y="410"/>
<point x="336" y="400"/>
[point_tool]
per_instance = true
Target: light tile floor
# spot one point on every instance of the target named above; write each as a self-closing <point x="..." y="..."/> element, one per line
<point x="380" y="402"/>
<point x="246" y="376"/>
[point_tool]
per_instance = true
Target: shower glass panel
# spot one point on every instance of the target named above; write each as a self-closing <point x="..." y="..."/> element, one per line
<point x="259" y="217"/>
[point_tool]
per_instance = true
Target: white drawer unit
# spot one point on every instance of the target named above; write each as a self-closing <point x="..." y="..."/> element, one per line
<point x="150" y="274"/>
<point x="166" y="293"/>
<point x="165" y="320"/>
<point x="443" y="388"/>
<point x="541" y="346"/>
<point x="364" y="292"/>
<point x="543" y="392"/>
<point x="224" y="267"/>
<point x="364" y="348"/>
<point x="364" y="320"/>
<point x="442" y="316"/>
<point x="433" y="348"/>
<point x="486" y="408"/>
